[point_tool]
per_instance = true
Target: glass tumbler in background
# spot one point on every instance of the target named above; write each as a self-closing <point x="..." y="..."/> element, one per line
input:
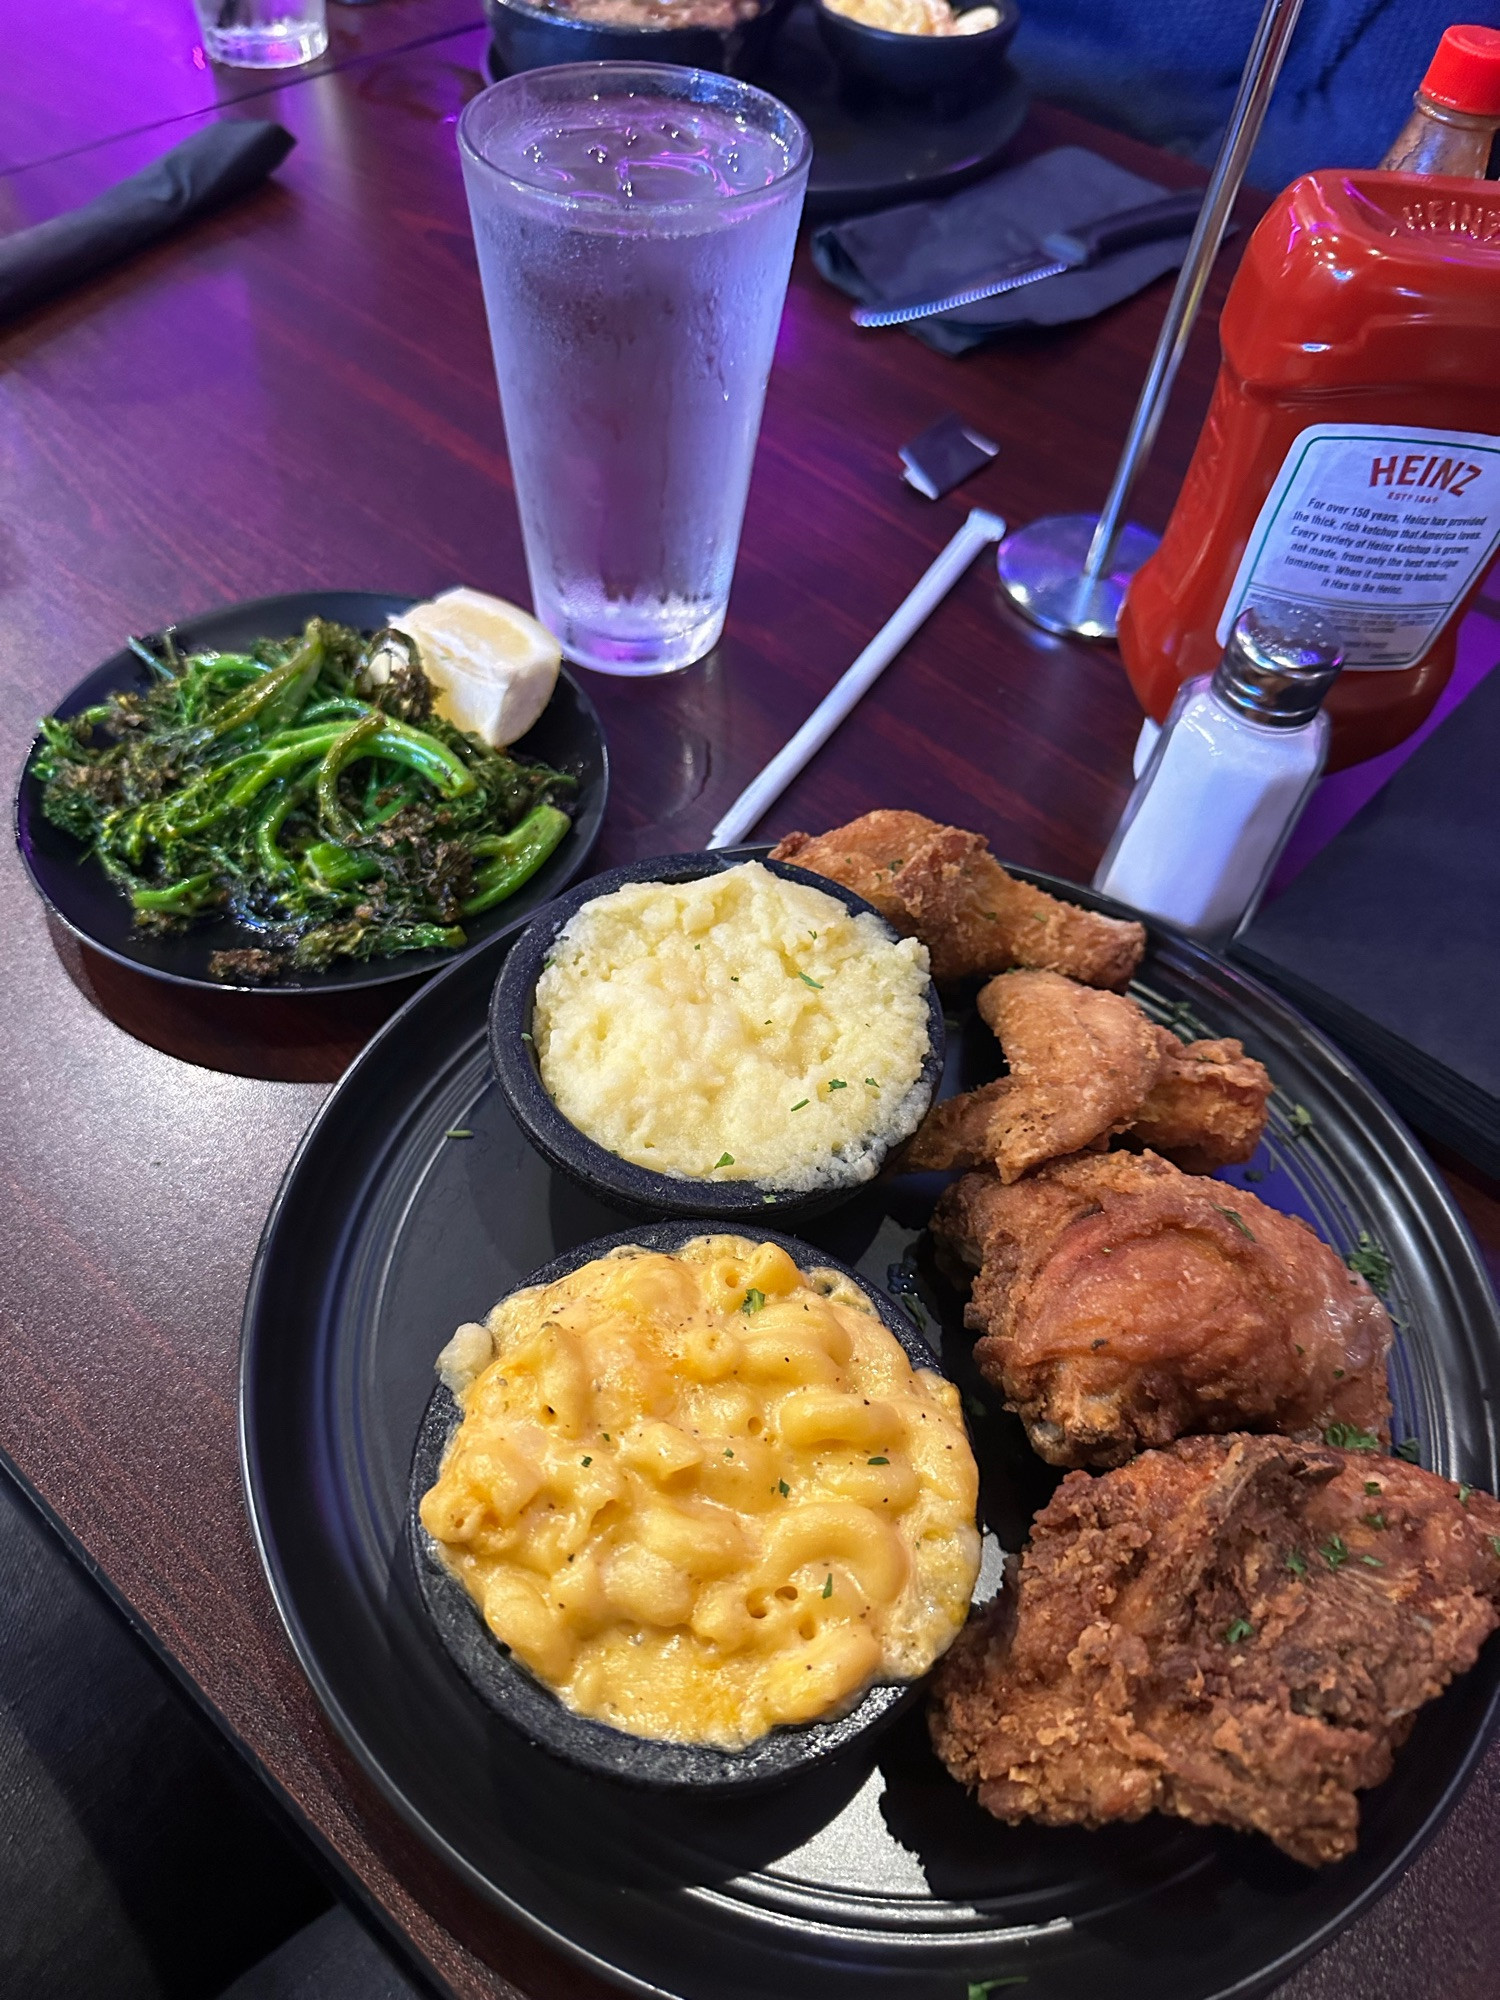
<point x="635" y="226"/>
<point x="263" y="34"/>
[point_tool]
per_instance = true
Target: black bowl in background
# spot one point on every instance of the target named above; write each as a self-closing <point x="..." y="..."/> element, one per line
<point x="531" y="1707"/>
<point x="536" y="37"/>
<point x="638" y="1190"/>
<point x="951" y="69"/>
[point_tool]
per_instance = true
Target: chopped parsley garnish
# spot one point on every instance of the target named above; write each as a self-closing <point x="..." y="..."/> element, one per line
<point x="1296" y="1562"/>
<point x="1338" y="1374"/>
<point x="734" y="979"/>
<point x="837" y="1083"/>
<point x="1334" y="1551"/>
<point x="979" y="1989"/>
<point x="1233" y="1215"/>
<point x="724" y="1160"/>
<point x="1349" y="1437"/>
<point x="1463" y="1495"/>
<point x="1368" y="1261"/>
<point x="753" y="1300"/>
<point x="1373" y="1520"/>
<point x="1238" y="1632"/>
<point x="729" y="1454"/>
<point x="800" y="1105"/>
<point x="815" y="984"/>
<point x="828" y="1584"/>
<point x="1373" y="1486"/>
<point x="1373" y="1561"/>
<point x="782" y="1488"/>
<point x="872" y="1083"/>
<point x="587" y="1461"/>
<point x="1494" y="1542"/>
<point x="812" y="934"/>
<point x="458" y="1132"/>
<point x="1301" y="1121"/>
<point x="877" y="1461"/>
<point x="1410" y="1449"/>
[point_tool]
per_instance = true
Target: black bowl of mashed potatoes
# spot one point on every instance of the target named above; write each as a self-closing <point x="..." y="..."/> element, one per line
<point x="694" y="1509"/>
<point x="704" y="1036"/>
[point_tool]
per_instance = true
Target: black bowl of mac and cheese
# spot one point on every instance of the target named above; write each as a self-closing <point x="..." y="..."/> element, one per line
<point x="694" y="1509"/>
<point x="703" y="1035"/>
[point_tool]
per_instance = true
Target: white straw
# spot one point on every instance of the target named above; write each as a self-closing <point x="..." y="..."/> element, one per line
<point x="976" y="533"/>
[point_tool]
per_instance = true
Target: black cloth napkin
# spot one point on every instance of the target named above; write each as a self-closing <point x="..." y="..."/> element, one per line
<point x="211" y="167"/>
<point x="930" y="248"/>
<point x="1390" y="938"/>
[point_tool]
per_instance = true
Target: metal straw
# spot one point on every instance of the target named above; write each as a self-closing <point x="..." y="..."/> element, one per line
<point x="1039" y="565"/>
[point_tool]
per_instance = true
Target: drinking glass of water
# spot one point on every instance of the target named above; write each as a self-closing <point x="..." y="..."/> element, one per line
<point x="263" y="34"/>
<point x="635" y="225"/>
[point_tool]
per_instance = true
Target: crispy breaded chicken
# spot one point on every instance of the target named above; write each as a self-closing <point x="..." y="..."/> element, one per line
<point x="1083" y="1066"/>
<point x="944" y="886"/>
<point x="1081" y="1062"/>
<point x="1207" y="1107"/>
<point x="1122" y="1304"/>
<point x="1239" y="1631"/>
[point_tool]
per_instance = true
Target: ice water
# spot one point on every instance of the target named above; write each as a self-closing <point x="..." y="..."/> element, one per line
<point x="634" y="252"/>
<point x="263" y="34"/>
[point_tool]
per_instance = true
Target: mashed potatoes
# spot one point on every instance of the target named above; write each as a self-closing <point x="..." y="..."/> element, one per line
<point x="740" y="1027"/>
<point x="702" y="1494"/>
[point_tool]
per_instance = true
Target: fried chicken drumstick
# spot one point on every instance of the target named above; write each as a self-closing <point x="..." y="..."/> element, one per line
<point x="1122" y="1304"/>
<point x="944" y="886"/>
<point x="1237" y="1630"/>
<point x="1085" y="1065"/>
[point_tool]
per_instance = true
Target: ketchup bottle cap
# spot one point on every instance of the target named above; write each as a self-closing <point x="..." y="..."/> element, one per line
<point x="1465" y="72"/>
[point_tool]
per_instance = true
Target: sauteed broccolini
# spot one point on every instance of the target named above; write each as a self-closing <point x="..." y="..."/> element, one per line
<point x="315" y="799"/>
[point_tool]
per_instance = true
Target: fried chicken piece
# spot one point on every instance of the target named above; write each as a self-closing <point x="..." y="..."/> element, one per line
<point x="1122" y="1304"/>
<point x="1207" y="1107"/>
<point x="1238" y="1631"/>
<point x="1081" y="1063"/>
<point x="944" y="886"/>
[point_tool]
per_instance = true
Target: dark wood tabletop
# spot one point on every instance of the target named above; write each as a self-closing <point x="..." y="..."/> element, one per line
<point x="299" y="393"/>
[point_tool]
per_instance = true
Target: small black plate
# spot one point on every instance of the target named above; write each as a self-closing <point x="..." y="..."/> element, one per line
<point x="875" y="152"/>
<point x="528" y="1704"/>
<point x="876" y="1876"/>
<point x="76" y="889"/>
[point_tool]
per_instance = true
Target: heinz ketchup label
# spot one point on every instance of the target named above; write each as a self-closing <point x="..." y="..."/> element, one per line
<point x="1384" y="527"/>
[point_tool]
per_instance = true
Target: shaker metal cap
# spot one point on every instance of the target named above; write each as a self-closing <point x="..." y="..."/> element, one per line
<point x="1280" y="662"/>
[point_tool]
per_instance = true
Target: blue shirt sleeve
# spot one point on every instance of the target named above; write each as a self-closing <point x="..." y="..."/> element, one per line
<point x="1167" y="70"/>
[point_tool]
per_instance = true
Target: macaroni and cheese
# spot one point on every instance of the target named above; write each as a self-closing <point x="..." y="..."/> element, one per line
<point x="701" y="1494"/>
<point x="739" y="1027"/>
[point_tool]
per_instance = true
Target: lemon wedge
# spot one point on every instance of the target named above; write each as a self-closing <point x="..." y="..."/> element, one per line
<point x="492" y="667"/>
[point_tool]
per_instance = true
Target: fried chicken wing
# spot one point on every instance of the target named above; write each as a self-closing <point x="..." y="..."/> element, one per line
<point x="1207" y="1107"/>
<point x="1081" y="1062"/>
<point x="944" y="886"/>
<point x="1237" y="1630"/>
<point x="1122" y="1304"/>
<point x="1084" y="1065"/>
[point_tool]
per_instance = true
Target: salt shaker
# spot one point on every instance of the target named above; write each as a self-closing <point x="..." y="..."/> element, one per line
<point x="1231" y="770"/>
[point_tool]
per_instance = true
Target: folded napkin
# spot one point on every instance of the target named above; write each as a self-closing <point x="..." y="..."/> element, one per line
<point x="210" y="168"/>
<point x="930" y="248"/>
<point x="1390" y="937"/>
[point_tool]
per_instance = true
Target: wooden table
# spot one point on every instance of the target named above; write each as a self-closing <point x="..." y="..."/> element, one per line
<point x="300" y="393"/>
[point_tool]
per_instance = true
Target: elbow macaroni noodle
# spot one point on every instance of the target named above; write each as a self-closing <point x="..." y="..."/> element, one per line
<point x="701" y="1494"/>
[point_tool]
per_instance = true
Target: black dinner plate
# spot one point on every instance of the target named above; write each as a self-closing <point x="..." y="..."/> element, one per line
<point x="77" y="890"/>
<point x="880" y="1879"/>
<point x="873" y="152"/>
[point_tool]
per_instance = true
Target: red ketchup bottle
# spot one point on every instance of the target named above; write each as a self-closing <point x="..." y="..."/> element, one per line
<point x="1350" y="460"/>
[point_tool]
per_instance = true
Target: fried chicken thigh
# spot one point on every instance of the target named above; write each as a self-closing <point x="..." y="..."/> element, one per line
<point x="944" y="886"/>
<point x="1085" y="1065"/>
<point x="1122" y="1304"/>
<point x="1237" y="1630"/>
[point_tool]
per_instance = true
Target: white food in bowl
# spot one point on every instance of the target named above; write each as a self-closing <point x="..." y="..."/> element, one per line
<point x="737" y="1027"/>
